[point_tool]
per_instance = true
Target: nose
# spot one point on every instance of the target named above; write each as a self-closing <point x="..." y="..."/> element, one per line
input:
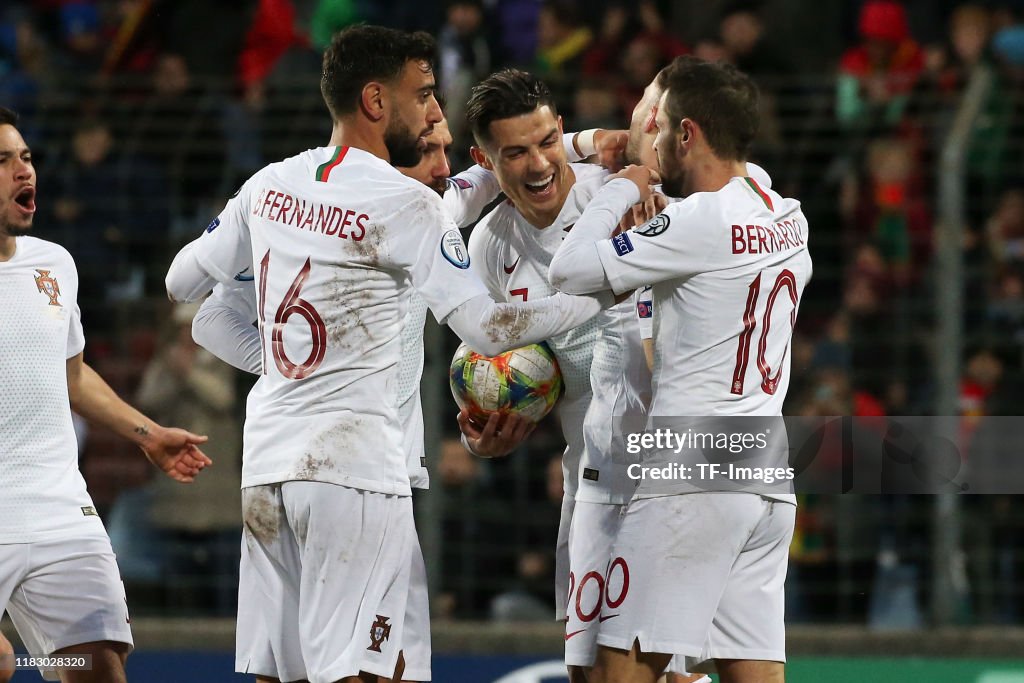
<point x="538" y="162"/>
<point x="443" y="169"/>
<point x="23" y="170"/>
<point x="434" y="114"/>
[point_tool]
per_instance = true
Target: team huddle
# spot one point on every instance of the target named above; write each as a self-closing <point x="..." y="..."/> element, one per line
<point x="639" y="291"/>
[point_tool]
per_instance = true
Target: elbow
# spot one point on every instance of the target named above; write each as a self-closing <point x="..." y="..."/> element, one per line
<point x="557" y="277"/>
<point x="560" y="276"/>
<point x="200" y="325"/>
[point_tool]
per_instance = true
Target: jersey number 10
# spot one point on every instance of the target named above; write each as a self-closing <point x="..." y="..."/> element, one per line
<point x="292" y="305"/>
<point x="769" y="383"/>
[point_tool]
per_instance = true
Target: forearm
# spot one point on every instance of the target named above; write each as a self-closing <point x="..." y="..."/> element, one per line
<point x="576" y="267"/>
<point x="491" y="328"/>
<point x="93" y="399"/>
<point x="229" y="335"/>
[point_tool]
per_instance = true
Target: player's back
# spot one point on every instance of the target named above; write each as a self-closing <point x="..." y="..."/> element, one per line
<point x="722" y="333"/>
<point x="333" y="234"/>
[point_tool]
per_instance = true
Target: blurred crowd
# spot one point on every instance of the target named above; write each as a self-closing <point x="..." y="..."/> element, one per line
<point x="144" y="115"/>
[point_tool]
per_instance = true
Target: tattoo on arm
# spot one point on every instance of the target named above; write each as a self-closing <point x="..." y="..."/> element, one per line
<point x="142" y="430"/>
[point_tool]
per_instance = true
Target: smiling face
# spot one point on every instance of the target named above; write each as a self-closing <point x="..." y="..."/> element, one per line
<point x="433" y="169"/>
<point x="526" y="154"/>
<point x="414" y="112"/>
<point x="17" y="184"/>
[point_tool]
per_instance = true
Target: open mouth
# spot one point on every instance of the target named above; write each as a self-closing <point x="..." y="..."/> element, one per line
<point x="26" y="200"/>
<point x="542" y="187"/>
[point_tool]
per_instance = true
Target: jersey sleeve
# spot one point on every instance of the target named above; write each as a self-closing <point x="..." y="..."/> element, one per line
<point x="645" y="312"/>
<point x="677" y="243"/>
<point x="76" y="335"/>
<point x="469" y="193"/>
<point x="224" y="326"/>
<point x="224" y="249"/>
<point x="425" y="242"/>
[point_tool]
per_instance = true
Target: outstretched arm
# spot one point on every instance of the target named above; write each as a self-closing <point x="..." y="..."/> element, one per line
<point x="491" y="328"/>
<point x="175" y="451"/>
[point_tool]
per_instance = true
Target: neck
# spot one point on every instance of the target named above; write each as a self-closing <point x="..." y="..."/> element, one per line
<point x="712" y="174"/>
<point x="350" y="133"/>
<point x="541" y="219"/>
<point x="7" y="246"/>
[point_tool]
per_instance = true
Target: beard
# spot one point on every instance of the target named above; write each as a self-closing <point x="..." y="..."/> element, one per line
<point x="403" y="145"/>
<point x="16" y="230"/>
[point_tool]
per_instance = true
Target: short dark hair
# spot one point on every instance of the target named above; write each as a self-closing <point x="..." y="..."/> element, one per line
<point x="8" y="117"/>
<point x="363" y="53"/>
<point x="720" y="98"/>
<point x="503" y="95"/>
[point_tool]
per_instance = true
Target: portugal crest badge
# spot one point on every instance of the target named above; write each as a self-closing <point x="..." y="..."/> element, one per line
<point x="48" y="286"/>
<point x="379" y="632"/>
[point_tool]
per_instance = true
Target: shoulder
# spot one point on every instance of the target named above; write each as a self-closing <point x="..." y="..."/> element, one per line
<point x="43" y="250"/>
<point x="495" y="227"/>
<point x="589" y="180"/>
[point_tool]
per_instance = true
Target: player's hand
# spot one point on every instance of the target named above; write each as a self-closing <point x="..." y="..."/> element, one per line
<point x="498" y="437"/>
<point x="642" y="176"/>
<point x="611" y="148"/>
<point x="176" y="452"/>
<point x="641" y="212"/>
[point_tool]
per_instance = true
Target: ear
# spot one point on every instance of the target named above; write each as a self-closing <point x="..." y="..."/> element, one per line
<point x="371" y="101"/>
<point x="687" y="133"/>
<point x="561" y="129"/>
<point x="480" y="157"/>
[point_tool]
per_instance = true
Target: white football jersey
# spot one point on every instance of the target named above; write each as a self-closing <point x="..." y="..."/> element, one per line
<point x="467" y="195"/>
<point x="512" y="258"/>
<point x="728" y="269"/>
<point x="337" y="237"/>
<point x="44" y="496"/>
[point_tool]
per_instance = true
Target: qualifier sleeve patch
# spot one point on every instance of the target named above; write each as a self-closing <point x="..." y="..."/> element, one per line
<point x="454" y="250"/>
<point x="621" y="244"/>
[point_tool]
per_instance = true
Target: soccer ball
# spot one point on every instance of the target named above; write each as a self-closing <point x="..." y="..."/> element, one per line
<point x="524" y="381"/>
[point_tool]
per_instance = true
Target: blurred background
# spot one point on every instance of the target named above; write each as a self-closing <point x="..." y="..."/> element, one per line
<point x="897" y="124"/>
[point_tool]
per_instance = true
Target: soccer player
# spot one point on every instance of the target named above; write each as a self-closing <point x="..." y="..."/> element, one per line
<point x="58" y="577"/>
<point x="338" y="237"/>
<point x="225" y="326"/>
<point x="727" y="264"/>
<point x="6" y="659"/>
<point x="518" y="136"/>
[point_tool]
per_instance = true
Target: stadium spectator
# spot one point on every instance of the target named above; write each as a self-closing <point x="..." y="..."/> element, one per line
<point x="178" y="127"/>
<point x="192" y="532"/>
<point x="949" y="65"/>
<point x="562" y="40"/>
<point x="877" y="75"/>
<point x="110" y="211"/>
<point x="464" y="58"/>
<point x="329" y="17"/>
<point x="60" y="582"/>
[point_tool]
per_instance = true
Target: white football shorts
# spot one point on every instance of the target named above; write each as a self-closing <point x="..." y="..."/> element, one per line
<point x="253" y="653"/>
<point x="562" y="556"/>
<point x="704" y="577"/>
<point x="329" y="576"/>
<point x="63" y="592"/>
